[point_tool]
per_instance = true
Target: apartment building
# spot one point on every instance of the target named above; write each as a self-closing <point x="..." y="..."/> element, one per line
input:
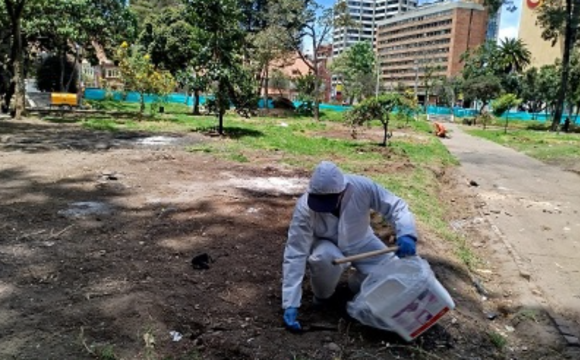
<point x="429" y="40"/>
<point x="542" y="51"/>
<point x="367" y="14"/>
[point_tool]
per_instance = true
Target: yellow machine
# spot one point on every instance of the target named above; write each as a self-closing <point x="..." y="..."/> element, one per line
<point x="63" y="100"/>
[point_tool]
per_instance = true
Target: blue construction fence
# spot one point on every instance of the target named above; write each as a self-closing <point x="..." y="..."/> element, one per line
<point x="177" y="98"/>
<point x="513" y="115"/>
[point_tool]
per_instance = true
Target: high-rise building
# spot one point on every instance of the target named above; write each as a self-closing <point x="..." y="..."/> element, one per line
<point x="543" y="53"/>
<point x="493" y="25"/>
<point x="428" y="40"/>
<point x="367" y="14"/>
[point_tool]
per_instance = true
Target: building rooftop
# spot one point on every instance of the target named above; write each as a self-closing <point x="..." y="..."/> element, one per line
<point x="431" y="8"/>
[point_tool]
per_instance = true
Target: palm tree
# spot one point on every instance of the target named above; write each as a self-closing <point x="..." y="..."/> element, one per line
<point x="514" y="55"/>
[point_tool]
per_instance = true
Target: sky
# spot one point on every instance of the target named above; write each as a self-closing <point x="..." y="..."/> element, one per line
<point x="509" y="20"/>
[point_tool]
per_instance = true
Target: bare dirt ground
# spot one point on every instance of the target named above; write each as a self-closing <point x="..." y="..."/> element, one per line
<point x="97" y="233"/>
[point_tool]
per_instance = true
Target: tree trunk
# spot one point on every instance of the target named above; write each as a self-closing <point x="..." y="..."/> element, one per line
<point x="196" y="102"/>
<point x="142" y="104"/>
<point x="221" y="122"/>
<point x="506" y="122"/>
<point x="266" y="84"/>
<point x="62" y="70"/>
<point x="316" y="110"/>
<point x="73" y="73"/>
<point x="385" y="123"/>
<point x="569" y="32"/>
<point x="19" y="92"/>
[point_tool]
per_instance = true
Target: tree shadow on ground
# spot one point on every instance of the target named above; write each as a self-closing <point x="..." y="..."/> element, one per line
<point x="574" y="129"/>
<point x="231" y="132"/>
<point x="39" y="137"/>
<point x="126" y="271"/>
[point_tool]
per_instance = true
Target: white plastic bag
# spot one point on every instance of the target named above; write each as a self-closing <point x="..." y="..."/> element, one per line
<point x="401" y="295"/>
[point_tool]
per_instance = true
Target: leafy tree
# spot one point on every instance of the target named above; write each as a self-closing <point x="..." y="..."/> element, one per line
<point x="574" y="84"/>
<point x="270" y="44"/>
<point x="279" y="81"/>
<point x="220" y="20"/>
<point x="448" y="91"/>
<point x="15" y="10"/>
<point x="408" y="106"/>
<point x="144" y="8"/>
<point x="171" y="39"/>
<point x="192" y="80"/>
<point x="514" y="55"/>
<point x="429" y="80"/>
<point x="561" y="20"/>
<point x="502" y="106"/>
<point x="548" y="85"/>
<point x="356" y="67"/>
<point x="375" y="108"/>
<point x="307" y="88"/>
<point x="483" y="88"/>
<point x="5" y="46"/>
<point x="483" y="61"/>
<point x="306" y="21"/>
<point x="176" y="43"/>
<point x="63" y="25"/>
<point x="140" y="75"/>
<point x="532" y="94"/>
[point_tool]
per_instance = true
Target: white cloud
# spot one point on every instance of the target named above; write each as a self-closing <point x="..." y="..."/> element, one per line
<point x="510" y="20"/>
<point x="510" y="32"/>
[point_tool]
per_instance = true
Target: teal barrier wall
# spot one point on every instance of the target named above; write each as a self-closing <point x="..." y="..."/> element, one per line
<point x="100" y="94"/>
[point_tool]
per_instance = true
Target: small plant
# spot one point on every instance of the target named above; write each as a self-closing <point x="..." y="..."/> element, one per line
<point x="498" y="340"/>
<point x="200" y="148"/>
<point x="502" y="106"/>
<point x="99" y="352"/>
<point x="527" y="315"/>
<point x="241" y="158"/>
<point x="107" y="353"/>
<point x="375" y="108"/>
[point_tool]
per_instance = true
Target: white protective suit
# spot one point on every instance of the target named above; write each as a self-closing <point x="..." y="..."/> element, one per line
<point x="318" y="238"/>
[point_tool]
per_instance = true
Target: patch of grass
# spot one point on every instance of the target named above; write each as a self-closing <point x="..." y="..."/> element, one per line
<point x="497" y="339"/>
<point x="241" y="158"/>
<point x="200" y="148"/>
<point x="124" y="106"/>
<point x="107" y="353"/>
<point x="527" y="315"/>
<point x="544" y="146"/>
<point x="101" y="125"/>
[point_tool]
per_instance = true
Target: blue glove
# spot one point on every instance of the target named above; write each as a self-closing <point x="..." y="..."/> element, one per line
<point x="290" y="316"/>
<point x="407" y="246"/>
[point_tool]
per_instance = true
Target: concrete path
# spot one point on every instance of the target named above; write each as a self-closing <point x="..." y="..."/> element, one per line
<point x="536" y="207"/>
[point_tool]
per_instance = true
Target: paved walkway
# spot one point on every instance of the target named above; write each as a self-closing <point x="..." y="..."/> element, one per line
<point x="536" y="206"/>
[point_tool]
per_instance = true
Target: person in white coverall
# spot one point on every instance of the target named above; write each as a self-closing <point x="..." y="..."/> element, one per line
<point x="332" y="220"/>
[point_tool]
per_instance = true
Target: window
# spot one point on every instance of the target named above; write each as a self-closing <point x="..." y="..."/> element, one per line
<point x="112" y="73"/>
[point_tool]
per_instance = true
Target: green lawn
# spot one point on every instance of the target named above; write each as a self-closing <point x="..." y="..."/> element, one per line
<point x="408" y="167"/>
<point x="542" y="145"/>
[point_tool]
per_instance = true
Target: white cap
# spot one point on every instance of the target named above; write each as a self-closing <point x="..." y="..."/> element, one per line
<point x="326" y="179"/>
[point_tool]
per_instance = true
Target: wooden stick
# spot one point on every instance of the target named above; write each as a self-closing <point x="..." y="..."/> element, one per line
<point x="364" y="255"/>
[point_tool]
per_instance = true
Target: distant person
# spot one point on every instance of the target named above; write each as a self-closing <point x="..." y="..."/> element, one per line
<point x="440" y="130"/>
<point x="566" y="126"/>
